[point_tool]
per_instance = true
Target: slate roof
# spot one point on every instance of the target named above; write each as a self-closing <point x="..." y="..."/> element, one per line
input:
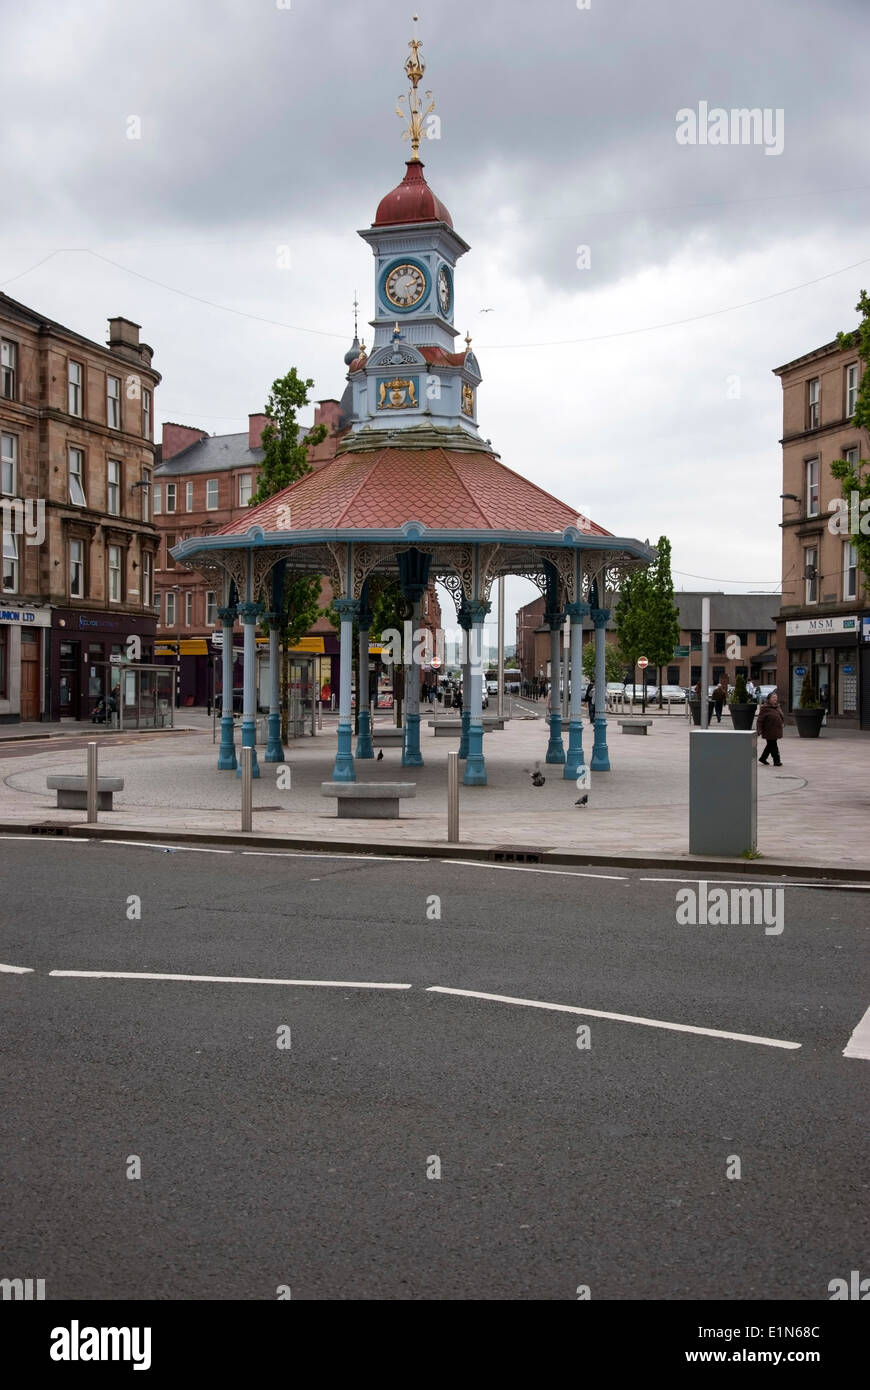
<point x="216" y="454"/>
<point x="729" y="612"/>
<point x="443" y="488"/>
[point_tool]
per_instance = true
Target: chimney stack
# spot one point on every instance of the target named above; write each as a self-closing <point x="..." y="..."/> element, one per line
<point x="256" y="425"/>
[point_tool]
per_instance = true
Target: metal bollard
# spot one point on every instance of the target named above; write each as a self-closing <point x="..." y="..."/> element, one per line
<point x="247" y="790"/>
<point x="93" y="802"/>
<point x="453" y="798"/>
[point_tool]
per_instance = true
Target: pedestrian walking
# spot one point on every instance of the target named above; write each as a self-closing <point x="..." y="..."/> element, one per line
<point x="720" y="695"/>
<point x="589" y="701"/>
<point x="770" y="725"/>
<point x="457" y="698"/>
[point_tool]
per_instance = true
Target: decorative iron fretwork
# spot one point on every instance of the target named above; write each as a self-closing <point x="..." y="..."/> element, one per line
<point x="457" y="560"/>
<point x="565" y="565"/>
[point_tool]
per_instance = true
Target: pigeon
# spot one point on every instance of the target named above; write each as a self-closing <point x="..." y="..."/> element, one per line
<point x="380" y="756"/>
<point x="537" y="779"/>
<point x="583" y="800"/>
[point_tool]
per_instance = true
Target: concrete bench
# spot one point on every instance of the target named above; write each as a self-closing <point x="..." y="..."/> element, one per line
<point x="446" y="727"/>
<point x="634" y="726"/>
<point x="388" y="738"/>
<point x="368" y="800"/>
<point x="72" y="792"/>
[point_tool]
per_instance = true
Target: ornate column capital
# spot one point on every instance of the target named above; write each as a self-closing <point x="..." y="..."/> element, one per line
<point x="463" y="617"/>
<point x="554" y="620"/>
<point x="227" y="615"/>
<point x="600" y="616"/>
<point x="477" y="609"/>
<point x="346" y="608"/>
<point x="250" y="612"/>
<point x="577" y="611"/>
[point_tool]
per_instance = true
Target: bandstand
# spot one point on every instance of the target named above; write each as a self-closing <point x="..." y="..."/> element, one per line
<point x="414" y="492"/>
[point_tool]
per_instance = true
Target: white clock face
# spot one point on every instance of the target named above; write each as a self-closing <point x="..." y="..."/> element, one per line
<point x="405" y="286"/>
<point x="444" y="290"/>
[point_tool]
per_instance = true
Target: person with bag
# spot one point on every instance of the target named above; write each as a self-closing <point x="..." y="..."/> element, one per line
<point x="770" y="726"/>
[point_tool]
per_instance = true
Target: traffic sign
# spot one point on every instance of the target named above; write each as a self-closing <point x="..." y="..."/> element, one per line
<point x="217" y="639"/>
<point x="642" y="662"/>
<point x="436" y="663"/>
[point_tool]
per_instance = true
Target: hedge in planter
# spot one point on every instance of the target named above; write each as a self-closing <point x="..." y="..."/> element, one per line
<point x="809" y="714"/>
<point x="741" y="707"/>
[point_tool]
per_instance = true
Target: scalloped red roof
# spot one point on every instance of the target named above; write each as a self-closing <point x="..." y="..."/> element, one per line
<point x="444" y="489"/>
<point x="411" y="201"/>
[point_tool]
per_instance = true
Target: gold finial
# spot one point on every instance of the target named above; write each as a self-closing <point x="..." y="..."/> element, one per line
<point x="414" y="68"/>
<point x="468" y="341"/>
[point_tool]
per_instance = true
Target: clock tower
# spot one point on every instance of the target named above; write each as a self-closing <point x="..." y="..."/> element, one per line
<point x="414" y="378"/>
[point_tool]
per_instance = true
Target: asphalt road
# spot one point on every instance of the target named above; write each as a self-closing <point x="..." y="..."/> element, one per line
<point x="314" y="1166"/>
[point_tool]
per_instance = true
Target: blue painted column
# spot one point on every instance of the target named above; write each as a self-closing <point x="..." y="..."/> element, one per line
<point x="250" y="613"/>
<point x="227" y="751"/>
<point x="343" y="771"/>
<point x="555" y="750"/>
<point x="464" y="619"/>
<point x="364" y="747"/>
<point x="600" y="756"/>
<point x="575" y="760"/>
<point x="475" y="765"/>
<point x="411" y="755"/>
<point x="274" y="746"/>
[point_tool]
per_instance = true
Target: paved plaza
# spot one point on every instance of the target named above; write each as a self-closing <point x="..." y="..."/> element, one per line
<point x="639" y="808"/>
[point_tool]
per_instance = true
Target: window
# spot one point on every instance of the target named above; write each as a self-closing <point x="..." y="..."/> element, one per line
<point x="812" y="487"/>
<point x="9" y="463"/>
<point x="850" y="570"/>
<point x="113" y="402"/>
<point x="211" y="613"/>
<point x="695" y="675"/>
<point x="147" y="578"/>
<point x="188" y="497"/>
<point x="211" y="495"/>
<point x="146" y="494"/>
<point x="719" y="643"/>
<point x="762" y="639"/>
<point x="170" y="609"/>
<point x="76" y="474"/>
<point x="673" y="675"/>
<point x="811" y="574"/>
<point x="10" y="562"/>
<point x="158" y="609"/>
<point x="851" y="456"/>
<point x="8" y="369"/>
<point x="146" y="412"/>
<point x="4" y="665"/>
<point x="113" y="488"/>
<point x="170" y="542"/>
<point x="851" y="389"/>
<point x="171" y="496"/>
<point x="245" y="489"/>
<point x="695" y="639"/>
<point x="813" y="404"/>
<point x="77" y="569"/>
<point x="188" y="609"/>
<point x="114" y="574"/>
<point x="742" y="638"/>
<point x="158" y="499"/>
<point x="74" y="376"/>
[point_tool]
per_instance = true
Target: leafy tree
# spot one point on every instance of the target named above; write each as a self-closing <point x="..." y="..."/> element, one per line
<point x="851" y="476"/>
<point x="285" y="460"/>
<point x="632" y="615"/>
<point x="664" y="618"/>
<point x="614" y="661"/>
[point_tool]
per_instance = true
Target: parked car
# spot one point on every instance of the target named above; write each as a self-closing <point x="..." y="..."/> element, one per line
<point x="671" y="695"/>
<point x="634" y="693"/>
<point x="492" y="687"/>
<point x="762" y="692"/>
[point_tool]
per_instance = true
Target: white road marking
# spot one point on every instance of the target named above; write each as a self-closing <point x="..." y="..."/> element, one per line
<point x="617" y="1018"/>
<point x="764" y="883"/>
<point x="28" y="839"/>
<point x="859" y="1043"/>
<point x="17" y="969"/>
<point x="221" y="979"/>
<point x="315" y="854"/>
<point x="149" y="844"/>
<point x="530" y="869"/>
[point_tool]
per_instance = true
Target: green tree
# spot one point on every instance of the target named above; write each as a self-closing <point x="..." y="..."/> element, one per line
<point x="851" y="476"/>
<point x="285" y="461"/>
<point x="614" y="661"/>
<point x="664" y="618"/>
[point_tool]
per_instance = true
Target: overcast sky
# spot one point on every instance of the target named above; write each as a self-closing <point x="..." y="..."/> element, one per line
<point x="635" y="387"/>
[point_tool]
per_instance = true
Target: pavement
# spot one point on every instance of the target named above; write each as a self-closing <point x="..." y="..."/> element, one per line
<point x="812" y="812"/>
<point x="230" y="1076"/>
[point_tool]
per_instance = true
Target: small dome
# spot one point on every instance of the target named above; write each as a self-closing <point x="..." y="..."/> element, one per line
<point x="353" y="352"/>
<point x="412" y="201"/>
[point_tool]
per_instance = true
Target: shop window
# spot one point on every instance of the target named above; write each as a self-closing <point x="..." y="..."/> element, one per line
<point x="4" y="663"/>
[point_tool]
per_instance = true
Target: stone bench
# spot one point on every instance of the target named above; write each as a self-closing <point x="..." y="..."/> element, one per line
<point x="72" y="792"/>
<point x="453" y="727"/>
<point x="388" y="738"/>
<point x="368" y="800"/>
<point x="634" y="726"/>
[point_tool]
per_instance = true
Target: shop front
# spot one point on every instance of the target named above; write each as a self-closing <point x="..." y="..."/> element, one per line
<point x="23" y="633"/>
<point x="83" y="646"/>
<point x="834" y="654"/>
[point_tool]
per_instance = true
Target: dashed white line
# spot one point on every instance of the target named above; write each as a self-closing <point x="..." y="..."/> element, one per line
<point x="17" y="969"/>
<point x="616" y="1018"/>
<point x="749" y="882"/>
<point x="530" y="869"/>
<point x="221" y="979"/>
<point x="859" y="1043"/>
<point x="178" y="849"/>
<point x="315" y="854"/>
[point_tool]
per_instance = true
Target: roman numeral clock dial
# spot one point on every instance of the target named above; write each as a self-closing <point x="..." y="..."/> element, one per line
<point x="405" y="286"/>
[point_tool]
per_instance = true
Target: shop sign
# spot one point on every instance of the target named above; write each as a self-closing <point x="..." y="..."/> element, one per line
<point x="34" y="616"/>
<point x="822" y="627"/>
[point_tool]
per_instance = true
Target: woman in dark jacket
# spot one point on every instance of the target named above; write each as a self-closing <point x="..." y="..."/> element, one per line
<point x="769" y="726"/>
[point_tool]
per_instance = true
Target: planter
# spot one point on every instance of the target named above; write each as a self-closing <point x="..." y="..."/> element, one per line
<point x="695" y="707"/>
<point x="808" y="721"/>
<point x="742" y="715"/>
